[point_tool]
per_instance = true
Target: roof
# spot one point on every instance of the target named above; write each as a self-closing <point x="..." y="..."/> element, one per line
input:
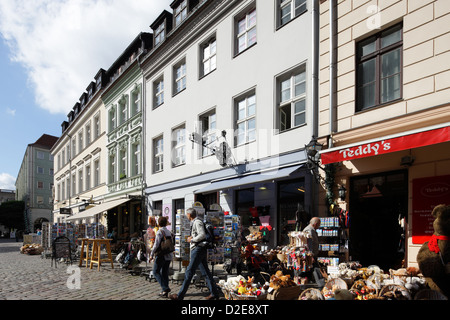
<point x="45" y="141"/>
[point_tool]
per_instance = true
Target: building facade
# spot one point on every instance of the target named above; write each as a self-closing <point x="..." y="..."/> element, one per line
<point x="384" y="121"/>
<point x="80" y="154"/>
<point x="34" y="184"/>
<point x="229" y="89"/>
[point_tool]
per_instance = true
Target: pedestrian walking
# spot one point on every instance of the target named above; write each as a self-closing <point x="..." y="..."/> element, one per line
<point x="162" y="261"/>
<point x="198" y="259"/>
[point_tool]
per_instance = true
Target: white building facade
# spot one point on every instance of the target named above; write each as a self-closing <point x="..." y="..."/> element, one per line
<point x="233" y="77"/>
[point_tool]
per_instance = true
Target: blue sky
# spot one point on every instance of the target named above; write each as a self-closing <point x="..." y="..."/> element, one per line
<point x="50" y="50"/>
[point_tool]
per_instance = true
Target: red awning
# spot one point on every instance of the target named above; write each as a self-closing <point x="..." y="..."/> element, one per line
<point x="388" y="145"/>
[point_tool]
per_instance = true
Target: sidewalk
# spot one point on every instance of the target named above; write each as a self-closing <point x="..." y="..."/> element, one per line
<point x="26" y="277"/>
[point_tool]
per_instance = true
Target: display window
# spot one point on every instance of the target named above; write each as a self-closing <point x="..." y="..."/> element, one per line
<point x="245" y="199"/>
<point x="291" y="209"/>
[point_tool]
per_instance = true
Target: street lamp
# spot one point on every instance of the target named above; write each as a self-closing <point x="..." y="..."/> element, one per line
<point x="312" y="150"/>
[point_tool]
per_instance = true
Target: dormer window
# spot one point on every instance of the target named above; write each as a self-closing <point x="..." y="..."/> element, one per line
<point x="159" y="34"/>
<point x="180" y="13"/>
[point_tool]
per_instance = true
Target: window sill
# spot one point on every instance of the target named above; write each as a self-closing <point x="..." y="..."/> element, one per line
<point x="386" y="104"/>
<point x="245" y="50"/>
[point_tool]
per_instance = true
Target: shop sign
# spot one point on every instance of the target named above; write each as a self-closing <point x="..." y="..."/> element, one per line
<point x="427" y="194"/>
<point x="375" y="148"/>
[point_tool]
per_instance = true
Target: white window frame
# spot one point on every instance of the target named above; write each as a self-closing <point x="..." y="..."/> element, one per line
<point x="158" y="87"/>
<point x="286" y="120"/>
<point x="88" y="177"/>
<point x="80" y="141"/>
<point x="160" y="33"/>
<point x="96" y="173"/>
<point x="88" y="136"/>
<point x="244" y="133"/>
<point x="123" y="154"/>
<point x="209" y="56"/>
<point x="136" y="101"/>
<point x="136" y="159"/>
<point x="208" y="123"/>
<point x="158" y="154"/>
<point x="112" y="168"/>
<point x="179" y="146"/>
<point x="179" y="75"/>
<point x="249" y="26"/>
<point x="97" y="127"/>
<point x="294" y="6"/>
<point x="180" y="13"/>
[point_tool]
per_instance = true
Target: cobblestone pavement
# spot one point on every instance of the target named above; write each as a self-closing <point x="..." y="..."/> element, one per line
<point x="32" y="277"/>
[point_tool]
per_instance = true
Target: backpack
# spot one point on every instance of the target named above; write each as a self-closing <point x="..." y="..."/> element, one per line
<point x="166" y="246"/>
<point x="210" y="240"/>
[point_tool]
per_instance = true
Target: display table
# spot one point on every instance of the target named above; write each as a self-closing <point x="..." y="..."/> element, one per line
<point x="84" y="253"/>
<point x="96" y="252"/>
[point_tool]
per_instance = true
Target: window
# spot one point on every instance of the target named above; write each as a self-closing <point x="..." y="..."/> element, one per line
<point x="158" y="154"/>
<point x="112" y="119"/>
<point x="123" y="163"/>
<point x="40" y="185"/>
<point x="246" y="31"/>
<point x="68" y="152"/>
<point x="97" y="126"/>
<point x="74" y="184"/>
<point x="158" y="88"/>
<point x="379" y="68"/>
<point x="159" y="34"/>
<point x="208" y="129"/>
<point x="123" y="111"/>
<point x="63" y="157"/>
<point x="179" y="146"/>
<point x="80" y="141"/>
<point x="80" y="181"/>
<point x="40" y="200"/>
<point x="88" y="134"/>
<point x="289" y="10"/>
<point x="245" y="199"/>
<point x="136" y="159"/>
<point x="180" y="77"/>
<point x="74" y="147"/>
<point x="40" y="155"/>
<point x="245" y="119"/>
<point x="40" y="170"/>
<point x="136" y="101"/>
<point x="208" y="51"/>
<point x="63" y="190"/>
<point x="180" y="12"/>
<point x="292" y="99"/>
<point x="96" y="173"/>
<point x="88" y="177"/>
<point x="112" y="168"/>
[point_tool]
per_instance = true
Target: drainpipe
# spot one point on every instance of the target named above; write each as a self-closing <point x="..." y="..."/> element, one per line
<point x="315" y="67"/>
<point x="332" y="83"/>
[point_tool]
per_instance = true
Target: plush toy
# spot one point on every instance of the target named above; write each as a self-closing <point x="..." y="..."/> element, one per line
<point x="434" y="255"/>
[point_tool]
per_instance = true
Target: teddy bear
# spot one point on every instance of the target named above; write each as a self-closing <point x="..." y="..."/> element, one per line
<point x="433" y="257"/>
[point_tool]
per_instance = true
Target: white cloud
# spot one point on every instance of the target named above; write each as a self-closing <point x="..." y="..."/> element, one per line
<point x="7" y="181"/>
<point x="11" y="112"/>
<point x="62" y="44"/>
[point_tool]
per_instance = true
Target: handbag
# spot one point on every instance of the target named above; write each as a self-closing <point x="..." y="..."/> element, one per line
<point x="166" y="246"/>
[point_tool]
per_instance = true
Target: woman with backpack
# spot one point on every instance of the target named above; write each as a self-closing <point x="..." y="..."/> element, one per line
<point x="162" y="259"/>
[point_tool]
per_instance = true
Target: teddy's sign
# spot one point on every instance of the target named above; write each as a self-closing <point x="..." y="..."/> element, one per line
<point x="384" y="146"/>
<point x="427" y="194"/>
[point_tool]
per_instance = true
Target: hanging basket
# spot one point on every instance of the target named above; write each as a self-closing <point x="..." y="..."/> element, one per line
<point x="311" y="294"/>
<point x="394" y="292"/>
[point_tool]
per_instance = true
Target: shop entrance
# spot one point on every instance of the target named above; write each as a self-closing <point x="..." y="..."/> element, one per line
<point x="378" y="213"/>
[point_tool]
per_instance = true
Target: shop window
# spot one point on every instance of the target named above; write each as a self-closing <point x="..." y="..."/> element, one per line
<point x="379" y="68"/>
<point x="291" y="202"/>
<point x="245" y="199"/>
<point x="207" y="199"/>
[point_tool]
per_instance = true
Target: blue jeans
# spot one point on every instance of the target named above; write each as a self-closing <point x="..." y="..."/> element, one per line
<point x="161" y="272"/>
<point x="198" y="260"/>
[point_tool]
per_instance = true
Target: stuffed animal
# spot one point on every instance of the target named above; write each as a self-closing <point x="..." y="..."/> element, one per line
<point x="434" y="255"/>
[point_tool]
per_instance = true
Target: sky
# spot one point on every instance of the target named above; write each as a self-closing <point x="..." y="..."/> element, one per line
<point x="50" y="50"/>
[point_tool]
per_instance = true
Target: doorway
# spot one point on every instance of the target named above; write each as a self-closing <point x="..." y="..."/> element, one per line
<point x="378" y="213"/>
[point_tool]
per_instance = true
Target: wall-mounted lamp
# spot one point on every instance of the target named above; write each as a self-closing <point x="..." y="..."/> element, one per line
<point x="263" y="187"/>
<point x="312" y="150"/>
<point x="342" y="192"/>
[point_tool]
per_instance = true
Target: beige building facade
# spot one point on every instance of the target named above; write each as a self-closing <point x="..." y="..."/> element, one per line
<point x="385" y="127"/>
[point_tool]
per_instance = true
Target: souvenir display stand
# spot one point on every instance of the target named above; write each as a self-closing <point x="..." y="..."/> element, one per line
<point x="232" y="241"/>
